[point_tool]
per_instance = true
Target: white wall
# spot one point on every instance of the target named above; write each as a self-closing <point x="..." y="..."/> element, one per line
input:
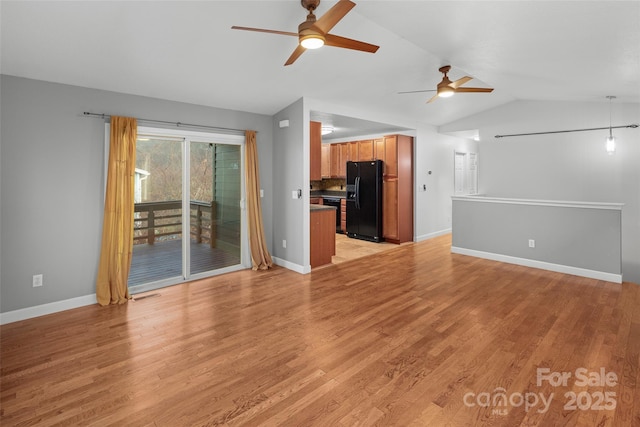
<point x="52" y="181"/>
<point x="567" y="166"/>
<point x="435" y="152"/>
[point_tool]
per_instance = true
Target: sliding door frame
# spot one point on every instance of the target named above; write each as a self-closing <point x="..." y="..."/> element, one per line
<point x="187" y="137"/>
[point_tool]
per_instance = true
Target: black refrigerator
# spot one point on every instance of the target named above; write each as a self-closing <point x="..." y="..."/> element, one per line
<point x="364" y="200"/>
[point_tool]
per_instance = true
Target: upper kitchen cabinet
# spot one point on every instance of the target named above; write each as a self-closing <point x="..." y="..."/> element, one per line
<point x="344" y="158"/>
<point x="334" y="156"/>
<point x="315" y="151"/>
<point x="365" y="150"/>
<point x="378" y="152"/>
<point x="353" y="152"/>
<point x="391" y="155"/>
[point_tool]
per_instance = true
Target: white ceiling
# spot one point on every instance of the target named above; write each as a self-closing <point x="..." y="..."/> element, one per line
<point x="186" y="51"/>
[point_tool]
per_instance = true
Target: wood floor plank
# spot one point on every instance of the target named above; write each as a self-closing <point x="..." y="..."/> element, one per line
<point x="397" y="338"/>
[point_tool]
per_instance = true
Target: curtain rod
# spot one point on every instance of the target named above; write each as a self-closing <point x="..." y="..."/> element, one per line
<point x="176" y="124"/>
<point x="565" y="131"/>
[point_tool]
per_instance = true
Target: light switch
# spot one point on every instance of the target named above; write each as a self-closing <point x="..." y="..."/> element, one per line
<point x="294" y="194"/>
<point x="261" y="192"/>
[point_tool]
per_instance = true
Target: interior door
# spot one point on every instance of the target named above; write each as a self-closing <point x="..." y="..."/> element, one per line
<point x="459" y="173"/>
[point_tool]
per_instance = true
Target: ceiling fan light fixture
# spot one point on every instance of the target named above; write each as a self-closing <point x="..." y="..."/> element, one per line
<point x="445" y="92"/>
<point x="313" y="41"/>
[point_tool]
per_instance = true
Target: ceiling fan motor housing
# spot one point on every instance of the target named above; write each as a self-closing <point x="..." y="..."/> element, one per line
<point x="444" y="88"/>
<point x="307" y="30"/>
<point x="310" y="5"/>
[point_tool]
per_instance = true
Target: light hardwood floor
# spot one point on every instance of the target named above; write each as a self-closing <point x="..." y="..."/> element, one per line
<point x="348" y="248"/>
<point x="401" y="338"/>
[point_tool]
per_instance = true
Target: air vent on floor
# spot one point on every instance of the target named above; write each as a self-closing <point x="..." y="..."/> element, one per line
<point x="135" y="298"/>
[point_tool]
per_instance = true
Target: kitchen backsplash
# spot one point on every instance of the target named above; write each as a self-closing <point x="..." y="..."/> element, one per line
<point x="334" y="184"/>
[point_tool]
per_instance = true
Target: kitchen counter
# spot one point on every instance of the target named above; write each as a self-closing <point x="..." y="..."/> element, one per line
<point x="328" y="193"/>
<point x="313" y="208"/>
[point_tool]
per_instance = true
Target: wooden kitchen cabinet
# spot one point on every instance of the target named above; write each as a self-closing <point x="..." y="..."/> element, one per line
<point x="315" y="151"/>
<point x="391" y="155"/>
<point x="343" y="215"/>
<point x="335" y="160"/>
<point x="396" y="153"/>
<point x="365" y="150"/>
<point x="390" y="209"/>
<point x="378" y="152"/>
<point x="353" y="152"/>
<point x="344" y="157"/>
<point x="325" y="165"/>
<point x="322" y="236"/>
<point x="338" y="155"/>
<point x="397" y="189"/>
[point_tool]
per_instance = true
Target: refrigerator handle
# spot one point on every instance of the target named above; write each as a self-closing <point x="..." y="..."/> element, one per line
<point x="357" y="192"/>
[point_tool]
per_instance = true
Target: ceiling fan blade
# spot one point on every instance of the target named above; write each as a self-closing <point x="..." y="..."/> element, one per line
<point x="260" y="30"/>
<point x="417" y="91"/>
<point x="474" y="89"/>
<point x="460" y="82"/>
<point x="337" y="41"/>
<point x="433" y="98"/>
<point x="295" y="55"/>
<point x="327" y="21"/>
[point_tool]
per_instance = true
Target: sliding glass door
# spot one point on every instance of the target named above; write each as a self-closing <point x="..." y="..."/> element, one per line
<point x="157" y="224"/>
<point x="215" y="214"/>
<point x="188" y="220"/>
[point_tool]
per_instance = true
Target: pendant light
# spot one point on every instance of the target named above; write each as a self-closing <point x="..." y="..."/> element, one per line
<point x="611" y="141"/>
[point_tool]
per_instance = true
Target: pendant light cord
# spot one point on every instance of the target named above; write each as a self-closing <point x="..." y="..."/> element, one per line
<point x="610" y="131"/>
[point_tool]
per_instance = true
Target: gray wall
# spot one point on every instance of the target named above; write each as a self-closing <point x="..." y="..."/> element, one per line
<point x="52" y="181"/>
<point x="567" y="236"/>
<point x="571" y="166"/>
<point x="289" y="169"/>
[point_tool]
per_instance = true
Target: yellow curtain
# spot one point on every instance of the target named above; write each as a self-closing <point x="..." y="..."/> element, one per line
<point x="117" y="229"/>
<point x="260" y="258"/>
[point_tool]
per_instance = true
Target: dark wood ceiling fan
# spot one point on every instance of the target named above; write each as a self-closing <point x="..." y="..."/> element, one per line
<point x="314" y="33"/>
<point x="447" y="88"/>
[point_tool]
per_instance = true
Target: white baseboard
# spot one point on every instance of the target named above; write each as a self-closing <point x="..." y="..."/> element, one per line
<point x="433" y="235"/>
<point x="291" y="266"/>
<point x="44" y="309"/>
<point x="576" y="271"/>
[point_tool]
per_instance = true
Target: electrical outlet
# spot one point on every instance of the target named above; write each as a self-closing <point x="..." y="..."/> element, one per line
<point x="284" y="244"/>
<point x="37" y="280"/>
<point x="532" y="243"/>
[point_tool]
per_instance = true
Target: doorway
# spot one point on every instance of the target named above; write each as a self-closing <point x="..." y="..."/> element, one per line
<point x="465" y="177"/>
<point x="189" y="217"/>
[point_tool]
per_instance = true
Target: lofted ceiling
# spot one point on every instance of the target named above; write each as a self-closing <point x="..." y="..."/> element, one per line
<point x="186" y="51"/>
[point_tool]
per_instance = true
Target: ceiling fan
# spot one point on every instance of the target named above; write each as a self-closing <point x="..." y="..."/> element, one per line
<point x="447" y="88"/>
<point x="313" y="33"/>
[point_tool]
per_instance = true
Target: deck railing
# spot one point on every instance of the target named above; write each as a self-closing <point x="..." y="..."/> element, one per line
<point x="157" y="221"/>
